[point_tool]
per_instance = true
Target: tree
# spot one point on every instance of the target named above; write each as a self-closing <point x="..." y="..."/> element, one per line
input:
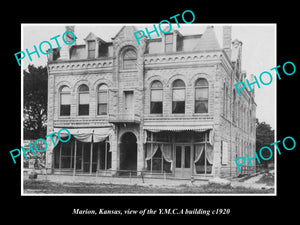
<point x="264" y="137"/>
<point x="35" y="102"/>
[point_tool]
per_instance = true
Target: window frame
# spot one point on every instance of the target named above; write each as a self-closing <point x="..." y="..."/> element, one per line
<point x="83" y="92"/>
<point x="61" y="92"/>
<point x="162" y="96"/>
<point x="178" y="88"/>
<point x="98" y="99"/>
<point x="91" y="50"/>
<point x="169" y="43"/>
<point x="199" y="87"/>
<point x="129" y="60"/>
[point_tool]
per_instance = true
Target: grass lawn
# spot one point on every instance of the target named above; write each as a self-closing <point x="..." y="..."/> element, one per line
<point x="46" y="187"/>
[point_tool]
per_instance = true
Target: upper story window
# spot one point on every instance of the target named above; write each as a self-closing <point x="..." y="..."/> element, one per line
<point x="225" y="101"/>
<point x="178" y="97"/>
<point x="156" y="97"/>
<point x="83" y="92"/>
<point x="65" y="101"/>
<point x="91" y="49"/>
<point x="234" y="114"/>
<point x="102" y="99"/>
<point x="169" y="43"/>
<point x="129" y="59"/>
<point x="201" y="96"/>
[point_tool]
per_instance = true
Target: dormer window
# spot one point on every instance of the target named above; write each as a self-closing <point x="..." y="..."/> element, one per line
<point x="91" y="49"/>
<point x="169" y="43"/>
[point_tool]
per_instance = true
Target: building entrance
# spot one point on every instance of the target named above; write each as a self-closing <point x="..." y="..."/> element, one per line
<point x="128" y="153"/>
<point x="183" y="163"/>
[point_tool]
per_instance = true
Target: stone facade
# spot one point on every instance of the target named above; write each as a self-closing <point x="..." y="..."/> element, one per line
<point x="229" y="121"/>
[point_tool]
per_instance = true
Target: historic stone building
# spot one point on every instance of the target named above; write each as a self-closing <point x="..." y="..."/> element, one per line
<point x="167" y="107"/>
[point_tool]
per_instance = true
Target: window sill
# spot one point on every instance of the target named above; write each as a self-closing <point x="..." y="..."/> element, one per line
<point x="102" y="116"/>
<point x="201" y="114"/>
<point x="128" y="70"/>
<point x="64" y="117"/>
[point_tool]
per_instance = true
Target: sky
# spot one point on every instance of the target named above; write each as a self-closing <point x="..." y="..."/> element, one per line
<point x="258" y="50"/>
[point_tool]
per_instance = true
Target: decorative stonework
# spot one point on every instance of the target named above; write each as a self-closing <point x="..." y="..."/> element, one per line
<point x="182" y="58"/>
<point x="101" y="122"/>
<point x="107" y="63"/>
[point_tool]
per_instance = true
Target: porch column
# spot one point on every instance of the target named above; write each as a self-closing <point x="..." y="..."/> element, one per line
<point x="91" y="157"/>
<point x="75" y="149"/>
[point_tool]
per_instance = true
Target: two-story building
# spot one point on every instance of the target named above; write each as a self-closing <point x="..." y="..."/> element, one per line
<point x="167" y="107"/>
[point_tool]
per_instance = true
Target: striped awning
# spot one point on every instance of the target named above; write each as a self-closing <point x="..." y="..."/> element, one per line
<point x="86" y="135"/>
<point x="177" y="128"/>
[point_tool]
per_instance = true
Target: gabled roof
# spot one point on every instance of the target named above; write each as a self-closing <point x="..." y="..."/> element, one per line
<point x="122" y="30"/>
<point x="208" y="40"/>
<point x="92" y="36"/>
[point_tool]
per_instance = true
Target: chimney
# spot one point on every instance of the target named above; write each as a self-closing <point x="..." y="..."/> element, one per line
<point x="65" y="49"/>
<point x="69" y="37"/>
<point x="227" y="40"/>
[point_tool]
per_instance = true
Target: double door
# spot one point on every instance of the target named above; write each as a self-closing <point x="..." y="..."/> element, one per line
<point x="183" y="161"/>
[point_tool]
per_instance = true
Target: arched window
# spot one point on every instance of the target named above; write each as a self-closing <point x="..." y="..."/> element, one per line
<point x="83" y="92"/>
<point x="129" y="59"/>
<point x="178" y="97"/>
<point x="65" y="101"/>
<point x="102" y="99"/>
<point x="156" y="97"/>
<point x="201" y="96"/>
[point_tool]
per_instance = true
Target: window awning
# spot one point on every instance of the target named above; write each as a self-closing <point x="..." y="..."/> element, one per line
<point x="86" y="134"/>
<point x="177" y="128"/>
<point x="157" y="126"/>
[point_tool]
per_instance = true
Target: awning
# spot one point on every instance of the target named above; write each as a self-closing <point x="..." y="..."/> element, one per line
<point x="173" y="125"/>
<point x="86" y="135"/>
<point x="177" y="128"/>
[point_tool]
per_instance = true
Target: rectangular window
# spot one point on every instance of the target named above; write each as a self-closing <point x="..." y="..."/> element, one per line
<point x="178" y="107"/>
<point x="105" y="155"/>
<point x="129" y="104"/>
<point x="201" y="100"/>
<point x="65" y="110"/>
<point x="65" y="104"/>
<point x="178" y="104"/>
<point x="158" y="163"/>
<point x="129" y="64"/>
<point x="156" y="101"/>
<point x="187" y="157"/>
<point x="83" y="104"/>
<point x="169" y="43"/>
<point x="91" y="49"/>
<point x="224" y="152"/>
<point x="178" y="156"/>
<point x="102" y="104"/>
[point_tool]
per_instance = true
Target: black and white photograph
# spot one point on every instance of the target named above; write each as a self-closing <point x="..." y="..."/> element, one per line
<point x="157" y="115"/>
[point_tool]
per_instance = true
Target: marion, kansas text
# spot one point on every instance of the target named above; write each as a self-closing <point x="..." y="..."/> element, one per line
<point x="96" y="212"/>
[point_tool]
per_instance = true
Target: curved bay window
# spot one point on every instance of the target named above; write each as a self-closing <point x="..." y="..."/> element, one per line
<point x="178" y="97"/>
<point x="129" y="59"/>
<point x="65" y="101"/>
<point x="83" y="108"/>
<point x="201" y="96"/>
<point x="102" y="99"/>
<point x="156" y="97"/>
